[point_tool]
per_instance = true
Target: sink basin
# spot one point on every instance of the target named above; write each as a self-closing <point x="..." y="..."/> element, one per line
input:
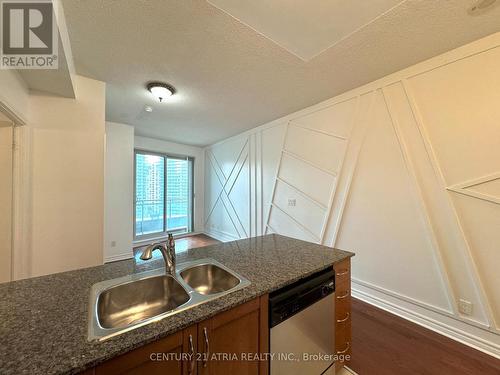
<point x="125" y="303"/>
<point x="133" y="302"/>
<point x="209" y="279"/>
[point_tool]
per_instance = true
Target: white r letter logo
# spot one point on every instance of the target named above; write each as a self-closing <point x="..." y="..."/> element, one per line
<point x="18" y="28"/>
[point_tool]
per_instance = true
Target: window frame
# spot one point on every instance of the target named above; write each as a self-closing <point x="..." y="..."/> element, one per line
<point x="191" y="181"/>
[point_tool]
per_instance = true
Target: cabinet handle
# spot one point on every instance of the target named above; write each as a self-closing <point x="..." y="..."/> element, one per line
<point x="207" y="346"/>
<point x="344" y="272"/>
<point x="343" y="320"/>
<point x="348" y="345"/>
<point x="191" y="351"/>
<point x="346" y="294"/>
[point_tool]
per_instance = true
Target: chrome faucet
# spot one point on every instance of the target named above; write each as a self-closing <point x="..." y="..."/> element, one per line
<point x="168" y="253"/>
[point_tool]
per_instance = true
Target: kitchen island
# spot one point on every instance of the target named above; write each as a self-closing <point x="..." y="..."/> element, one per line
<point x="45" y="319"/>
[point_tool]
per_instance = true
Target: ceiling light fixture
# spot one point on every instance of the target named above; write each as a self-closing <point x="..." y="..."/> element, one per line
<point x="160" y="90"/>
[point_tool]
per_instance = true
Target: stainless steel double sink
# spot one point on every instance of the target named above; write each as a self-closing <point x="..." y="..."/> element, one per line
<point x="128" y="302"/>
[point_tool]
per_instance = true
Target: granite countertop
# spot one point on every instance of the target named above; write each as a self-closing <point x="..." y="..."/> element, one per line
<point x="44" y="320"/>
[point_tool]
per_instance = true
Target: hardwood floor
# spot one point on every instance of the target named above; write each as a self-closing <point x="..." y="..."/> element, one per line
<point x="192" y="242"/>
<point x="385" y="344"/>
<point x="183" y="244"/>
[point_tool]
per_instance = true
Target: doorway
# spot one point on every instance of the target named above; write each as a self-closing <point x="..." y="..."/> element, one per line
<point x="6" y="196"/>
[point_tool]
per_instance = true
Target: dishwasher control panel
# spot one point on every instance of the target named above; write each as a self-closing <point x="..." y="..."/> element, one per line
<point x="294" y="298"/>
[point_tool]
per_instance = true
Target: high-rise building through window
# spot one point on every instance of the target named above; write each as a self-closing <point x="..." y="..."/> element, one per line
<point x="163" y="194"/>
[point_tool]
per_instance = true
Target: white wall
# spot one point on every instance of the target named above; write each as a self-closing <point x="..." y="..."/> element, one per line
<point x="68" y="179"/>
<point x="118" y="192"/>
<point x="150" y="144"/>
<point x="404" y="171"/>
<point x="239" y="176"/>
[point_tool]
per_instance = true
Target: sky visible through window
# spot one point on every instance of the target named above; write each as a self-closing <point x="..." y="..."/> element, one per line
<point x="153" y="200"/>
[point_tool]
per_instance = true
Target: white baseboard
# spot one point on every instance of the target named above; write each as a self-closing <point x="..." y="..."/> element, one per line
<point x="114" y="258"/>
<point x="475" y="337"/>
<point x="220" y="235"/>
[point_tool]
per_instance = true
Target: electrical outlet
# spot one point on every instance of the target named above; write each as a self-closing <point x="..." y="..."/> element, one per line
<point x="465" y="307"/>
<point x="113" y="243"/>
<point x="292" y="202"/>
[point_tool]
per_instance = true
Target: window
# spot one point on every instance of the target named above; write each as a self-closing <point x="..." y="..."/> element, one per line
<point x="163" y="194"/>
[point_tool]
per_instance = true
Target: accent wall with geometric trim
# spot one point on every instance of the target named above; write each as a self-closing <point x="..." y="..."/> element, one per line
<point x="404" y="171"/>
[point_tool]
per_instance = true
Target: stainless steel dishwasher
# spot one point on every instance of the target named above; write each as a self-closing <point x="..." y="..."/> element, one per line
<point x="302" y="326"/>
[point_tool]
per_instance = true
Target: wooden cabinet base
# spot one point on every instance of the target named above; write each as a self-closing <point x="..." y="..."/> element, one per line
<point x="232" y="341"/>
<point x="228" y="343"/>
<point x="155" y="358"/>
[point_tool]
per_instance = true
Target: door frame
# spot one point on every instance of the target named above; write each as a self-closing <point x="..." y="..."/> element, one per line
<point x="21" y="193"/>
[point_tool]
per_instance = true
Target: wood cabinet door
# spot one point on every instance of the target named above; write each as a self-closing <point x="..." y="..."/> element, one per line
<point x="226" y="341"/>
<point x="164" y="356"/>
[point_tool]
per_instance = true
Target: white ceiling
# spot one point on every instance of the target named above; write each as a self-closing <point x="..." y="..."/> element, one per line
<point x="304" y="27"/>
<point x="230" y="77"/>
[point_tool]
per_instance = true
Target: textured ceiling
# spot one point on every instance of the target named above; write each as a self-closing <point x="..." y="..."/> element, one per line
<point x="304" y="27"/>
<point x="229" y="77"/>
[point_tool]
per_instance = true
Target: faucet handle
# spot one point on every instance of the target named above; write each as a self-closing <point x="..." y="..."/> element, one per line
<point x="171" y="242"/>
